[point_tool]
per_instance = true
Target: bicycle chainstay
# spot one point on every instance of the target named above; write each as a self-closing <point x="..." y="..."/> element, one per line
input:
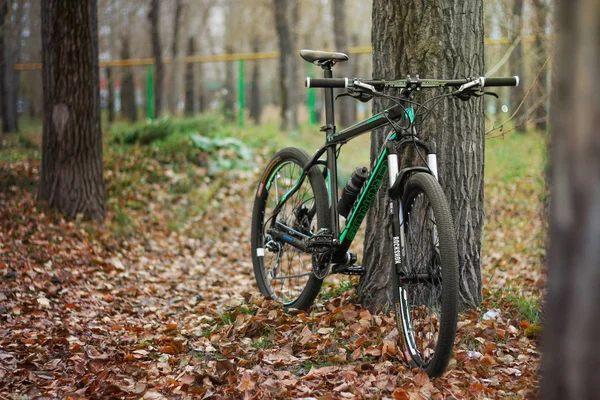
<point x="321" y="246"/>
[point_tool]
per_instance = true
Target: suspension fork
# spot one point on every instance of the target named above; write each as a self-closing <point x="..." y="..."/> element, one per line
<point x="396" y="213"/>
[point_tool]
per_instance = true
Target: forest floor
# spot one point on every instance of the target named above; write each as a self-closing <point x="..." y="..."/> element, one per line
<point x="160" y="301"/>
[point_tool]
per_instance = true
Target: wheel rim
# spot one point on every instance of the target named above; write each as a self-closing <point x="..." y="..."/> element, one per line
<point x="421" y="281"/>
<point x="285" y="268"/>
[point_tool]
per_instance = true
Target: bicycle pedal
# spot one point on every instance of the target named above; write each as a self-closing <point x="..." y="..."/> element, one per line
<point x="348" y="269"/>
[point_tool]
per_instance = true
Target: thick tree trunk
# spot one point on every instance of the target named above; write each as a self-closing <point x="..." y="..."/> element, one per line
<point x="9" y="78"/>
<point x="541" y="98"/>
<point x="190" y="82"/>
<point x="571" y="357"/>
<point x="3" y="13"/>
<point x="111" y="96"/>
<point x="435" y="40"/>
<point x="71" y="178"/>
<point x="345" y="106"/>
<point x="128" y="102"/>
<point x="159" y="72"/>
<point x="516" y="64"/>
<point x="255" y="100"/>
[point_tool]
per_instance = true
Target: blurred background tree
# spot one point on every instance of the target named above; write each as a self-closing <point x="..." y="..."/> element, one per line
<point x="518" y="34"/>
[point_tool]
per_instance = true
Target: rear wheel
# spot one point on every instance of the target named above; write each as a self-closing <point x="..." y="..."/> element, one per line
<point x="426" y="288"/>
<point x="282" y="271"/>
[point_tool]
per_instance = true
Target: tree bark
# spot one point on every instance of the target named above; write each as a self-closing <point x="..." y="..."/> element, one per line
<point x="202" y="97"/>
<point x="255" y="100"/>
<point x="229" y="87"/>
<point x="571" y="357"/>
<point x="442" y="39"/>
<point x="71" y="178"/>
<point x="293" y="61"/>
<point x="345" y="106"/>
<point x="3" y="13"/>
<point x="516" y="63"/>
<point x="541" y="98"/>
<point x="154" y="17"/>
<point x="175" y="65"/>
<point x="128" y="101"/>
<point x="111" y="96"/>
<point x="284" y="13"/>
<point x="190" y="82"/>
<point x="10" y="34"/>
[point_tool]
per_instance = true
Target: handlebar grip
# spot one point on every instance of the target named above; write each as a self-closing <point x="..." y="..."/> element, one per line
<point x="326" y="82"/>
<point x="505" y="81"/>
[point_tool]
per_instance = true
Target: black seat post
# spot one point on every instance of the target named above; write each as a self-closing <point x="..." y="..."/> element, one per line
<point x="329" y="103"/>
<point x="331" y="156"/>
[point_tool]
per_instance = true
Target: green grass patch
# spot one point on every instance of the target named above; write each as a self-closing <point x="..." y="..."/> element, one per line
<point x="515" y="304"/>
<point x="262" y="343"/>
<point x="331" y="290"/>
<point x="515" y="156"/>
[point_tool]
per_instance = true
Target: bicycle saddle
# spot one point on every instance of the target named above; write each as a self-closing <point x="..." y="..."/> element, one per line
<point x="318" y="57"/>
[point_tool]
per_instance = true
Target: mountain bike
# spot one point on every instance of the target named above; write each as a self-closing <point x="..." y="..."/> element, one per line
<point x="296" y="238"/>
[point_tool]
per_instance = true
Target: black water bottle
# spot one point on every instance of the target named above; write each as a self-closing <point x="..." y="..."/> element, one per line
<point x="351" y="190"/>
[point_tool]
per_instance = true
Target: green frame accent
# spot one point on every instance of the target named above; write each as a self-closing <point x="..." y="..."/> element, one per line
<point x="366" y="199"/>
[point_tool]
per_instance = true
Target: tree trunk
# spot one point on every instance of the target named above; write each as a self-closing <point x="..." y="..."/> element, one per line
<point x="285" y="60"/>
<point x="516" y="64"/>
<point x="111" y="96"/>
<point x="189" y="80"/>
<point x="154" y="17"/>
<point x="128" y="101"/>
<point x="345" y="106"/>
<point x="229" y="85"/>
<point x="175" y="65"/>
<point x="435" y="40"/>
<point x="202" y="98"/>
<point x="571" y="357"/>
<point x="293" y="61"/>
<point x="10" y="34"/>
<point x="255" y="100"/>
<point x="3" y="13"/>
<point x="542" y="94"/>
<point x="71" y="178"/>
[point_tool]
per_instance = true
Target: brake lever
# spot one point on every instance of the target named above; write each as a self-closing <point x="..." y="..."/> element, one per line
<point x="362" y="96"/>
<point x="466" y="95"/>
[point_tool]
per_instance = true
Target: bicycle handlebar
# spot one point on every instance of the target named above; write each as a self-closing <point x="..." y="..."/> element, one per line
<point x="425" y="83"/>
<point x="327" y="82"/>
<point x="504" y="81"/>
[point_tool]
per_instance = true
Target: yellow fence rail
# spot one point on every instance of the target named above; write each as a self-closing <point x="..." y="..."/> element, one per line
<point x="236" y="57"/>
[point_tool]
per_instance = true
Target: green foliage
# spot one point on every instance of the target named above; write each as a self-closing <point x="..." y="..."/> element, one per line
<point x="515" y="156"/>
<point x="155" y="131"/>
<point x="205" y="140"/>
<point x="231" y="153"/>
<point x="512" y="301"/>
<point x="263" y="343"/>
<point x="331" y="290"/>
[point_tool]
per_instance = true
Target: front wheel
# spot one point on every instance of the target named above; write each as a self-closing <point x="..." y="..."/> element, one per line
<point x="426" y="286"/>
<point x="282" y="271"/>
